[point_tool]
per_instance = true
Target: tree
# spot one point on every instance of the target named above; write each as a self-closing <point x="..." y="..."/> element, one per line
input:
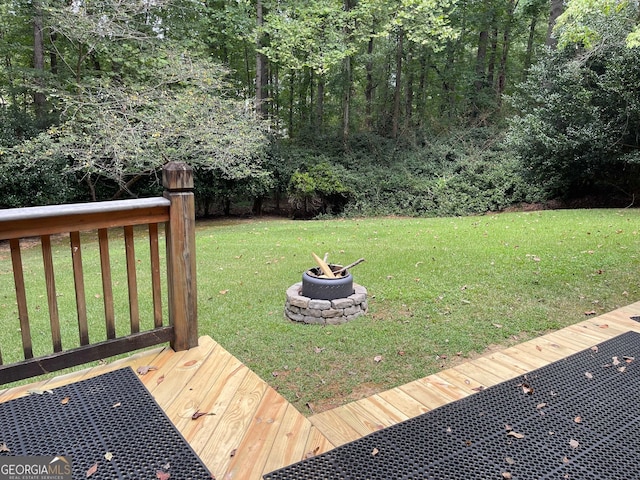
<point x="577" y="133"/>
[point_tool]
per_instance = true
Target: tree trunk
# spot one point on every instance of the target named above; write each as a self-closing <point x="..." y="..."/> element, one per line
<point x="395" y="119"/>
<point x="348" y="79"/>
<point x="409" y="93"/>
<point x="556" y="9"/>
<point x="369" y="88"/>
<point x="261" y="67"/>
<point x="39" y="99"/>
<point x="481" y="61"/>
<point x="491" y="68"/>
<point x="506" y="41"/>
<point x="529" y="53"/>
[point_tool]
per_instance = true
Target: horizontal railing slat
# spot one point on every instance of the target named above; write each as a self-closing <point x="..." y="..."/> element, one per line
<point x="88" y="353"/>
<point x="54" y="219"/>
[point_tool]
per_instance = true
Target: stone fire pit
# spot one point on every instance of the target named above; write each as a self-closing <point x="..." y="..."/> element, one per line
<point x="325" y="312"/>
<point x="326" y="296"/>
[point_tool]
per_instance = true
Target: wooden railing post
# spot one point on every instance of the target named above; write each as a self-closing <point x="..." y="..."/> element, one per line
<point x="177" y="179"/>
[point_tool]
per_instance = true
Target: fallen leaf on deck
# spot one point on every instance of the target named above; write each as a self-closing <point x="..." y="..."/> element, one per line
<point x="527" y="389"/>
<point x="160" y="475"/>
<point x="374" y="452"/>
<point x="565" y="460"/>
<point x="622" y="369"/>
<point x="92" y="470"/>
<point x="539" y="348"/>
<point x="160" y="380"/>
<point x="190" y="362"/>
<point x="515" y="434"/>
<point x="604" y="325"/>
<point x="377" y="358"/>
<point x="506" y="475"/>
<point x="64" y="401"/>
<point x="595" y="349"/>
<point x="628" y="359"/>
<point x="38" y="391"/>
<point x="199" y="414"/>
<point x="574" y="443"/>
<point x="4" y="448"/>
<point x="616" y="362"/>
<point x="108" y="456"/>
<point x="116" y="405"/>
<point x="578" y="419"/>
<point x="478" y="389"/>
<point x="311" y="453"/>
<point x="541" y="405"/>
<point x="233" y="453"/>
<point x="145" y="369"/>
<point x="166" y="466"/>
<point x="510" y="461"/>
<point x="589" y="375"/>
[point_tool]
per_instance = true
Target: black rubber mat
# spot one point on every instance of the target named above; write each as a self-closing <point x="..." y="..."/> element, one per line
<point x="577" y="418"/>
<point x="110" y="416"/>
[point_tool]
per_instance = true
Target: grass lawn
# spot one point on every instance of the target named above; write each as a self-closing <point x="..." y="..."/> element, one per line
<point x="440" y="290"/>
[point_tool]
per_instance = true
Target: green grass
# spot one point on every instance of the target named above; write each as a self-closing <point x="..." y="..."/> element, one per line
<point x="440" y="290"/>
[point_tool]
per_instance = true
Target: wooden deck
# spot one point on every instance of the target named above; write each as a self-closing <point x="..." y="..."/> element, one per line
<point x="255" y="430"/>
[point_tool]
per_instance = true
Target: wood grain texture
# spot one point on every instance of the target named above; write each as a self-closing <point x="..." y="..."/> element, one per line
<point x="52" y="300"/>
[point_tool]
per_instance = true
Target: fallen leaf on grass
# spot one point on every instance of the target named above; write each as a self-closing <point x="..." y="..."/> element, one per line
<point x="64" y="401"/>
<point x="318" y="349"/>
<point x="4" y="448"/>
<point x="590" y="312"/>
<point x="574" y="443"/>
<point x="143" y="370"/>
<point x="497" y="325"/>
<point x="160" y="475"/>
<point x="377" y="358"/>
<point x="223" y="292"/>
<point x="92" y="470"/>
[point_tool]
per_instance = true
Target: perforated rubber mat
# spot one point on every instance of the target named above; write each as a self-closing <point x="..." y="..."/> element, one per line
<point x="578" y="418"/>
<point x="112" y="415"/>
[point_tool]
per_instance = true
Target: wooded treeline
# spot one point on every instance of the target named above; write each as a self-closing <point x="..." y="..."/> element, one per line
<point x="422" y="107"/>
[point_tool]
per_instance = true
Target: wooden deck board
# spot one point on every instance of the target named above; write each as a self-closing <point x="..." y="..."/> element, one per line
<point x="250" y="429"/>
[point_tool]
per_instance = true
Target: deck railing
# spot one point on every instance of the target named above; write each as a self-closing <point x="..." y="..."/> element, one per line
<point x="175" y="209"/>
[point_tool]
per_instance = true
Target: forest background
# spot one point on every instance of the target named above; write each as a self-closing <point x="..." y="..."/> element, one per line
<point x="351" y="107"/>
